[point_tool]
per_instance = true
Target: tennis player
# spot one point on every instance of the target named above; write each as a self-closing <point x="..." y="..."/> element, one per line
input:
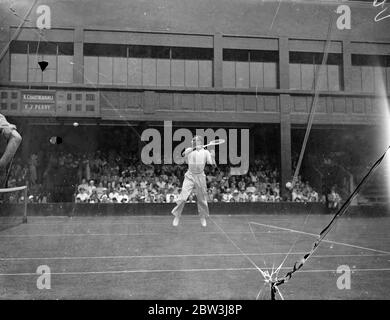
<point x="13" y="138"/>
<point x="196" y="157"/>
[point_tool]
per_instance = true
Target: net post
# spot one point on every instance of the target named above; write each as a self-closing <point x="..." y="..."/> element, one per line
<point x="25" y="206"/>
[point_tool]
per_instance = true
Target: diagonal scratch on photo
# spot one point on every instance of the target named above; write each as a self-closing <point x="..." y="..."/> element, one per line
<point x="194" y="150"/>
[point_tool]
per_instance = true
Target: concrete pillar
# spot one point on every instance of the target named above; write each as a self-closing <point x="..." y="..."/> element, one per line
<point x="285" y="116"/>
<point x="347" y="65"/>
<point x="284" y="64"/>
<point x="78" y="58"/>
<point x="218" y="60"/>
<point x="285" y="142"/>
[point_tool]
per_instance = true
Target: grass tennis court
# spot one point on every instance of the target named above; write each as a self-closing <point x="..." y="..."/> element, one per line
<point x="144" y="257"/>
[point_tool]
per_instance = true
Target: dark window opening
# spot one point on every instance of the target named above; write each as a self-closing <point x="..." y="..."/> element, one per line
<point x="105" y="50"/>
<point x="370" y="60"/>
<point x="263" y="56"/>
<point x="186" y="53"/>
<point x="235" y="55"/>
<point x="315" y="58"/>
<point x="19" y="47"/>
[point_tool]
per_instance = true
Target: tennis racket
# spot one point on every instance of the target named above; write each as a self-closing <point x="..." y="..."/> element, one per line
<point x="214" y="143"/>
<point x="211" y="143"/>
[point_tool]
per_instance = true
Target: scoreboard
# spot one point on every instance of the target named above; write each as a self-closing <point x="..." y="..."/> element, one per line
<point x="57" y="103"/>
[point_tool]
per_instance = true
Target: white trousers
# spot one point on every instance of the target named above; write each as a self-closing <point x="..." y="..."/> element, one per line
<point x="191" y="181"/>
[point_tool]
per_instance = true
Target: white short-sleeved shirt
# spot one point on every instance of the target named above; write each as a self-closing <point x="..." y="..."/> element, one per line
<point x="197" y="159"/>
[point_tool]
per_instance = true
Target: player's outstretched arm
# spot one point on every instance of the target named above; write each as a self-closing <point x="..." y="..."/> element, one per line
<point x="14" y="140"/>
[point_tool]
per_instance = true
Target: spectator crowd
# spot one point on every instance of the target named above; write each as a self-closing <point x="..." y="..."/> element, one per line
<point x="114" y="177"/>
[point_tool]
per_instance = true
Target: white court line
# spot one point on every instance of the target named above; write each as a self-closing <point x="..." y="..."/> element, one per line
<point x="316" y="235"/>
<point x="123" y="234"/>
<point x="178" y="270"/>
<point x="186" y="256"/>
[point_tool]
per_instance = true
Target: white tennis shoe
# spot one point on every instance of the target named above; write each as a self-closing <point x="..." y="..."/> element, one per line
<point x="175" y="222"/>
<point x="203" y="222"/>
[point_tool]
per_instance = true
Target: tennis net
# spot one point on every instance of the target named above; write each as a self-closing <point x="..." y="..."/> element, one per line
<point x="13" y="207"/>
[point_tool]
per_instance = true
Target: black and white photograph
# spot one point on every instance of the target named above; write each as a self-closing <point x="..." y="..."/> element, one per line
<point x="213" y="151"/>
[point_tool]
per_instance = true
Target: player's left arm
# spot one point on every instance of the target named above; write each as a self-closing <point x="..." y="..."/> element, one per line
<point x="186" y="153"/>
<point x="14" y="139"/>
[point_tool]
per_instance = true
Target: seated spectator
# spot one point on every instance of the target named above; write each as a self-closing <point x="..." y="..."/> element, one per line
<point x="94" y="197"/>
<point x="100" y="190"/>
<point x="123" y="197"/>
<point x="209" y="195"/>
<point x="263" y="196"/>
<point x="114" y="200"/>
<point x="83" y="185"/>
<point x="227" y="196"/>
<point x="243" y="196"/>
<point x="191" y="198"/>
<point x="114" y="194"/>
<point x="236" y="196"/>
<point x="105" y="199"/>
<point x="251" y="188"/>
<point x="91" y="187"/>
<point x="271" y="196"/>
<point x="241" y="185"/>
<point x="160" y="183"/>
<point x="297" y="195"/>
<point x="170" y="196"/>
<point x="334" y="199"/>
<point x="313" y="196"/>
<point x="82" y="196"/>
<point x="251" y="197"/>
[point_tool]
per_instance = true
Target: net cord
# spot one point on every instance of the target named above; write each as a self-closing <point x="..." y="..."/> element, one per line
<point x="5" y="190"/>
<point x="15" y="189"/>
